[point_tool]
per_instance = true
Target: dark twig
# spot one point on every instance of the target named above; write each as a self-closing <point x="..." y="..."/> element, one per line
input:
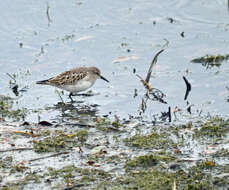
<point x="165" y="115"/>
<point x="146" y="81"/>
<point x="228" y="5"/>
<point x="15" y="90"/>
<point x="169" y="113"/>
<point x="189" y="109"/>
<point x="12" y="77"/>
<point x="166" y="43"/>
<point x="143" y="105"/>
<point x="152" y="64"/>
<point x="146" y="84"/>
<point x="13" y="85"/>
<point x="74" y="186"/>
<point x="157" y="94"/>
<point x="47" y="13"/>
<point x="188" y="88"/>
<point x="83" y="94"/>
<point x="50" y="156"/>
<point x="16" y="149"/>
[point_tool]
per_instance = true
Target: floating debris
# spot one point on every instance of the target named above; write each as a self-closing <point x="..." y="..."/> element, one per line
<point x="47" y="14"/>
<point x="166" y="115"/>
<point x="84" y="38"/>
<point x="21" y="45"/>
<point x="146" y="81"/>
<point x="125" y="58"/>
<point x="14" y="86"/>
<point x="188" y="88"/>
<point x="152" y="64"/>
<point x="171" y="20"/>
<point x="50" y="156"/>
<point x="98" y="150"/>
<point x="45" y="123"/>
<point x="211" y="60"/>
<point x="153" y="94"/>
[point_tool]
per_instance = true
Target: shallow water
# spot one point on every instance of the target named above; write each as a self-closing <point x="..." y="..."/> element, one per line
<point x="85" y="33"/>
<point x="117" y="37"/>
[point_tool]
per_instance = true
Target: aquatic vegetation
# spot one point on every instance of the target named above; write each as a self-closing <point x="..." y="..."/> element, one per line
<point x="156" y="156"/>
<point x="211" y="60"/>
<point x="84" y="176"/>
<point x="59" y="140"/>
<point x="159" y="179"/>
<point x="152" y="140"/>
<point x="147" y="161"/>
<point x="82" y="135"/>
<point x="215" y="127"/>
<point x="7" y="111"/>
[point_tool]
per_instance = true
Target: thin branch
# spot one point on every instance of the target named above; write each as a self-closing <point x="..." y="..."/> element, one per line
<point x="16" y="149"/>
<point x="152" y="64"/>
<point x="50" y="156"/>
<point x="146" y="84"/>
<point x="11" y="77"/>
<point x="47" y="13"/>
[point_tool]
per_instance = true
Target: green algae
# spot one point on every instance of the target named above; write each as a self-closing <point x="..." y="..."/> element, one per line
<point x="116" y="124"/>
<point x="216" y="127"/>
<point x="84" y="176"/>
<point x="211" y="60"/>
<point x="105" y="123"/>
<point x="59" y="140"/>
<point x="147" y="161"/>
<point x="8" y="166"/>
<point x="6" y="110"/>
<point x="152" y="140"/>
<point x="155" y="180"/>
<point x="82" y="135"/>
<point x="161" y="179"/>
<point x="145" y="171"/>
<point x="27" y="179"/>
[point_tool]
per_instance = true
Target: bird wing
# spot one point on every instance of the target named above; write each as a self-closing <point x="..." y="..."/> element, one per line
<point x="67" y="77"/>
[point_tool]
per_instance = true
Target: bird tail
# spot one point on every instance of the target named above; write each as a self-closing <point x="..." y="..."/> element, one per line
<point x="43" y="82"/>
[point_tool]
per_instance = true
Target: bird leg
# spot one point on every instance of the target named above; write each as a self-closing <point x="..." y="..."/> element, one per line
<point x="70" y="96"/>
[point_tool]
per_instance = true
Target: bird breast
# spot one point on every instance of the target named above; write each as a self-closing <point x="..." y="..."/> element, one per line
<point x="78" y="87"/>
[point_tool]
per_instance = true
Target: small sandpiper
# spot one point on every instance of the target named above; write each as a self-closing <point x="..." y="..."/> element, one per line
<point x="75" y="80"/>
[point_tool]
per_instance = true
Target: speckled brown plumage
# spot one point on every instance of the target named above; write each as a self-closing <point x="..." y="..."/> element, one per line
<point x="68" y="77"/>
<point x="75" y="80"/>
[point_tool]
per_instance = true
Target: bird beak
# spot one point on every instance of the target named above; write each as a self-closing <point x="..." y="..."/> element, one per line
<point x="104" y="78"/>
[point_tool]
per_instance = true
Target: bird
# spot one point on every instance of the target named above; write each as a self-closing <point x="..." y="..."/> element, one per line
<point x="75" y="80"/>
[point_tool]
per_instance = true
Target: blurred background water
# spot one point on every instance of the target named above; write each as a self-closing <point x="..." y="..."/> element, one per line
<point x="39" y="39"/>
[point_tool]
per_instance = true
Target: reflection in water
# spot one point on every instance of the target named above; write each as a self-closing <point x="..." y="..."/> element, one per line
<point x="76" y="114"/>
<point x="158" y="96"/>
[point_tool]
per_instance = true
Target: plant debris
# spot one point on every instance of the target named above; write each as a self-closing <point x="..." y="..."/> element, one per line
<point x="211" y="60"/>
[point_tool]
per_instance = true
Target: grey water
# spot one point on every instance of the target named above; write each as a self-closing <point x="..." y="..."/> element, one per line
<point x="39" y="39"/>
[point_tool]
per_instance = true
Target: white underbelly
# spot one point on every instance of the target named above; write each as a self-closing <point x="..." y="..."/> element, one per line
<point x="80" y="86"/>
